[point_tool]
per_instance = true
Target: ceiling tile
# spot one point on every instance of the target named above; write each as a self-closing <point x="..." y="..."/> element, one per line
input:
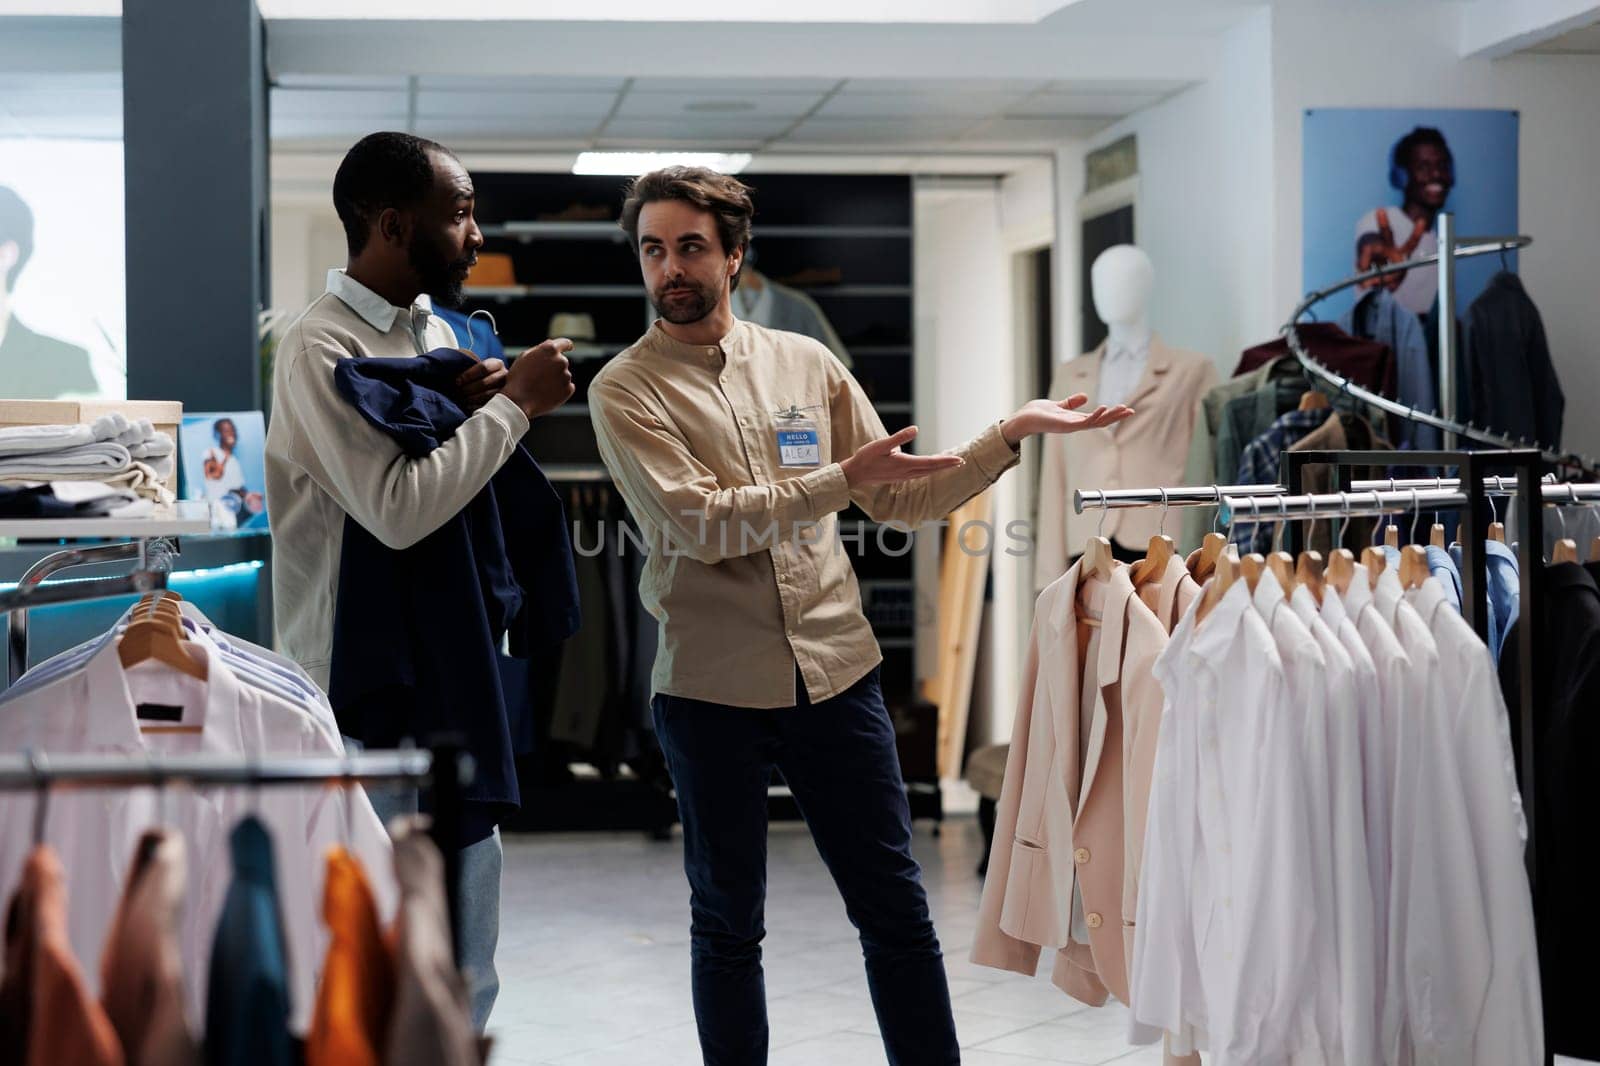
<point x="310" y="103"/>
<point x="446" y="127"/>
<point x="697" y="127"/>
<point x="733" y="86"/>
<point x="942" y="85"/>
<point x="520" y="83"/>
<point x="878" y="131"/>
<point x="858" y="104"/>
<point x="346" y="129"/>
<point x="1159" y="86"/>
<point x="752" y="103"/>
<point x="1077" y="105"/>
<point x="591" y="106"/>
<point x="668" y="144"/>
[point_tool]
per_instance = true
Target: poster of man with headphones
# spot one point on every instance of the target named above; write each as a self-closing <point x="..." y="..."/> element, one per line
<point x="1391" y="173"/>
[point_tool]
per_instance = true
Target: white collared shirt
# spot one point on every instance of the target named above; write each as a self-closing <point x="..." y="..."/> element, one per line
<point x="1474" y="725"/>
<point x="1353" y="930"/>
<point x="380" y="314"/>
<point x="93" y="711"/>
<point x="1224" y="912"/>
<point x="1311" y="684"/>
<point x="1370" y="710"/>
<point x="1121" y="367"/>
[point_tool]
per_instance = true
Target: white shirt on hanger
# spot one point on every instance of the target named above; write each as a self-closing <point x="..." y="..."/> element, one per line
<point x="1474" y="721"/>
<point x="1370" y="709"/>
<point x="1353" y="929"/>
<point x="1224" y="923"/>
<point x="1311" y="684"/>
<point x="94" y="711"/>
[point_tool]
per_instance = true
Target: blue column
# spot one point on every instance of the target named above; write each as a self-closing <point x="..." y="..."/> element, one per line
<point x="194" y="98"/>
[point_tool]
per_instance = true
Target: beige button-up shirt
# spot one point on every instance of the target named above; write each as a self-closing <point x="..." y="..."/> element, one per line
<point x="747" y="574"/>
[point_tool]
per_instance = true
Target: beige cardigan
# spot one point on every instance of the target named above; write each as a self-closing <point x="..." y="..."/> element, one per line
<point x="1146" y="451"/>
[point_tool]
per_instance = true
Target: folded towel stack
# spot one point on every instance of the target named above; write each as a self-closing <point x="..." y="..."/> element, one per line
<point x="113" y="450"/>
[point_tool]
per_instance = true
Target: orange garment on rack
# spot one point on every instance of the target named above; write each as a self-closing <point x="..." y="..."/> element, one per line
<point x="350" y="1022"/>
<point x="47" y="1016"/>
<point x="141" y="969"/>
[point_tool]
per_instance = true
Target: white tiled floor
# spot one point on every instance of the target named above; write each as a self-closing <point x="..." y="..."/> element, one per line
<point x="594" y="962"/>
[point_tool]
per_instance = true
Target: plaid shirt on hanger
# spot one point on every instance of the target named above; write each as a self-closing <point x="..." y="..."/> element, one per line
<point x="1258" y="465"/>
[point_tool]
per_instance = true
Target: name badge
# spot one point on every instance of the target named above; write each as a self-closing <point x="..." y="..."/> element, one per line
<point x="799" y="443"/>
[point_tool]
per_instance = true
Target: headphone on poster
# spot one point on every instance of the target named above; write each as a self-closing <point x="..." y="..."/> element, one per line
<point x="1400" y="155"/>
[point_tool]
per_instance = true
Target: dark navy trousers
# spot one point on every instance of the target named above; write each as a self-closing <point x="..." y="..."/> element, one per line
<point x="838" y="758"/>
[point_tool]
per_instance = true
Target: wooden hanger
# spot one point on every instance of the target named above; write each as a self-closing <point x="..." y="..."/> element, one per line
<point x="1097" y="559"/>
<point x="1309" y="570"/>
<point x="1314" y="400"/>
<point x="1565" y="551"/>
<point x="153" y="636"/>
<point x="1251" y="567"/>
<point x="1154" y="563"/>
<point x="1391" y="536"/>
<point x="1282" y="566"/>
<point x="1157" y="555"/>
<point x="1414" y="568"/>
<point x="1374" y="560"/>
<point x="1225" y="573"/>
<point x="1497" y="531"/>
<point x="1341" y="569"/>
<point x="1594" y="550"/>
<point x="1436" y="535"/>
<point x="1211" y="548"/>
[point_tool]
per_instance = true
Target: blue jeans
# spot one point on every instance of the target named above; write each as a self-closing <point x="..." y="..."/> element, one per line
<point x="478" y="893"/>
<point x="838" y="758"/>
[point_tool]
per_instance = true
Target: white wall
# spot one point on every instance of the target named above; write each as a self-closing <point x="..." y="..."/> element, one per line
<point x="1204" y="211"/>
<point x="1330" y="57"/>
<point x="965" y="379"/>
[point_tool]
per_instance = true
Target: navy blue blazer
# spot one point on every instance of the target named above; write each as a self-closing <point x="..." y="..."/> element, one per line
<point x="417" y="631"/>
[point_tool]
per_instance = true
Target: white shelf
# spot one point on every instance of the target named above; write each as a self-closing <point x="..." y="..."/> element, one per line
<point x="185" y="518"/>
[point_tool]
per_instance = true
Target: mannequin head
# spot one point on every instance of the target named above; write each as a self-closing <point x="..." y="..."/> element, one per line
<point x="1121" y="280"/>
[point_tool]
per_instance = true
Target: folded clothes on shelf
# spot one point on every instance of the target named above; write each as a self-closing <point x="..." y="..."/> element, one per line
<point x="71" y="499"/>
<point x="114" y="450"/>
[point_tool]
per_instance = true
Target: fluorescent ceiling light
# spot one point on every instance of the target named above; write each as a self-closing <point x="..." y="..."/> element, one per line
<point x="632" y="164"/>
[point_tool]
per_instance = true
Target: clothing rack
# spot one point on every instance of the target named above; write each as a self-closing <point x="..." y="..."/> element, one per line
<point x="1451" y="248"/>
<point x="445" y="768"/>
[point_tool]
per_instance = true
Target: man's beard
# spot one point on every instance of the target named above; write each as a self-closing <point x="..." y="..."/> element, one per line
<point x="684" y="312"/>
<point x="441" y="278"/>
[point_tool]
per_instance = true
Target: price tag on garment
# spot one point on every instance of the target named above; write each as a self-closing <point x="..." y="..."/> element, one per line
<point x="799" y="443"/>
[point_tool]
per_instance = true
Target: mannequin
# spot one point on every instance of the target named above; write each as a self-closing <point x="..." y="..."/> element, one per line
<point x="1120" y="281"/>
<point x="1163" y="385"/>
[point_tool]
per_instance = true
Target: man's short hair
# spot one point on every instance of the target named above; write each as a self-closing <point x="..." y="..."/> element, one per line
<point x="16" y="226"/>
<point x="726" y="197"/>
<point x="382" y="170"/>
<point x="1400" y="160"/>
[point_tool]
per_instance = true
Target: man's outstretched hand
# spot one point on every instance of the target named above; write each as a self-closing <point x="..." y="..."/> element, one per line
<point x="882" y="462"/>
<point x="1051" y="416"/>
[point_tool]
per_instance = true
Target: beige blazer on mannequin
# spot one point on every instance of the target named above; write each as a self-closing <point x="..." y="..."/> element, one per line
<point x="1061" y="817"/>
<point x="1145" y="451"/>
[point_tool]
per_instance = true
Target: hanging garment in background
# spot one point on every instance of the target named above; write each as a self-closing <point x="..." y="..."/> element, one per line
<point x="431" y="1023"/>
<point x="1566" y="640"/>
<point x="47" y="1014"/>
<point x="1513" y="384"/>
<point x="417" y="630"/>
<point x="1201" y="466"/>
<point x="1147" y="449"/>
<point x="580" y="698"/>
<point x="765" y="302"/>
<point x="1259" y="466"/>
<point x="1340" y="432"/>
<point x="1378" y="316"/>
<point x="43" y="501"/>
<point x="355" y="998"/>
<point x="1504" y="594"/>
<point x="1367" y="363"/>
<point x="247" y="1001"/>
<point x="141" y="971"/>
